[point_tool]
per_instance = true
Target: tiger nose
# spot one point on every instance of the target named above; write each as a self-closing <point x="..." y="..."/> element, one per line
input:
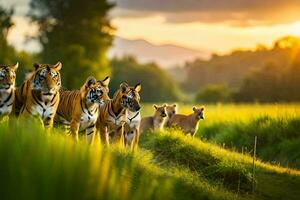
<point x="138" y="107"/>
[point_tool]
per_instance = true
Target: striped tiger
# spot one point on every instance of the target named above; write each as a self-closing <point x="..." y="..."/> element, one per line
<point x="132" y="125"/>
<point x="81" y="107"/>
<point x="38" y="96"/>
<point x="7" y="88"/>
<point x="113" y="116"/>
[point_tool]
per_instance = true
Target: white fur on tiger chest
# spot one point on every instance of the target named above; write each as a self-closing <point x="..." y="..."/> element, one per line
<point x="5" y="110"/>
<point x="44" y="112"/>
<point x="6" y="107"/>
<point x="133" y="119"/>
<point x="86" y="120"/>
<point x="117" y="121"/>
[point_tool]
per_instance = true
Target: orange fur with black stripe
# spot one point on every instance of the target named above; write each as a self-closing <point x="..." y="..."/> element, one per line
<point x="7" y="88"/>
<point x="39" y="94"/>
<point x="81" y="107"/>
<point x="113" y="116"/>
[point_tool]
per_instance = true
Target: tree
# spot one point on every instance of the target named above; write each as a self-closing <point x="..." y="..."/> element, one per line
<point x="157" y="86"/>
<point x="6" y="23"/>
<point x="76" y="32"/>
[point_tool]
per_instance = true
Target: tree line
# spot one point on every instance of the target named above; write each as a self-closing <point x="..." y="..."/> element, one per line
<point x="79" y="33"/>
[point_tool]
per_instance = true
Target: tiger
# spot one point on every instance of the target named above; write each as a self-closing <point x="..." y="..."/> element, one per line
<point x="188" y="123"/>
<point x="38" y="96"/>
<point x="171" y="111"/>
<point x="81" y="107"/>
<point x="7" y="89"/>
<point x="156" y="121"/>
<point x="132" y="125"/>
<point x="113" y="116"/>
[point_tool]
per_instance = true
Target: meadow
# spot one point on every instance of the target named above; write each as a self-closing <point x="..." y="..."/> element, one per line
<point x="168" y="165"/>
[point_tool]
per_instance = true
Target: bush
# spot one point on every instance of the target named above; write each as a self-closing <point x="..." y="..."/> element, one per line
<point x="214" y="94"/>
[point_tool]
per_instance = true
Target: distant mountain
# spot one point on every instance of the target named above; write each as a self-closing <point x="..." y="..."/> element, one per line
<point x="167" y="56"/>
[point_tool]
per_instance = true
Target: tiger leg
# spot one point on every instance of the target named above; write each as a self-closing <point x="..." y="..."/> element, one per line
<point x="104" y="135"/>
<point x="90" y="132"/>
<point x="48" y="124"/>
<point x="74" y="128"/>
<point x="27" y="114"/>
<point x="119" y="136"/>
<point x="135" y="140"/>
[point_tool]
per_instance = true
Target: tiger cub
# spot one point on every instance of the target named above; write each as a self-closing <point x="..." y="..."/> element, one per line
<point x="81" y="107"/>
<point x="171" y="111"/>
<point x="156" y="121"/>
<point x="7" y="88"/>
<point x="38" y="96"/>
<point x="188" y="123"/>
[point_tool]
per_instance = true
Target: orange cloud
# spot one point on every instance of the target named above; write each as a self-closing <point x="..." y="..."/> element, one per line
<point x="233" y="12"/>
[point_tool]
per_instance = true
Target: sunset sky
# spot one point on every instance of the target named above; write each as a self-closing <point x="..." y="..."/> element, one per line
<point x="210" y="25"/>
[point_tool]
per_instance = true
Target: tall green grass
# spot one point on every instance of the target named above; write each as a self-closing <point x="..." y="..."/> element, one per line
<point x="34" y="165"/>
<point x="222" y="167"/>
<point x="278" y="137"/>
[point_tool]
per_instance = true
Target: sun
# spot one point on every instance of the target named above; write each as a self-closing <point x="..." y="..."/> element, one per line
<point x="295" y="28"/>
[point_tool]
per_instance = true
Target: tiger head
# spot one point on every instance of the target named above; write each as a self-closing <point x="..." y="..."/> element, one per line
<point x="8" y="76"/>
<point x="131" y="97"/>
<point x="95" y="91"/>
<point x="46" y="78"/>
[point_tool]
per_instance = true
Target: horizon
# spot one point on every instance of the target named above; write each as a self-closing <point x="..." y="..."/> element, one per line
<point x="195" y="28"/>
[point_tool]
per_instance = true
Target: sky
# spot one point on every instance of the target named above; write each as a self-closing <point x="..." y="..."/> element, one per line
<point x="210" y="25"/>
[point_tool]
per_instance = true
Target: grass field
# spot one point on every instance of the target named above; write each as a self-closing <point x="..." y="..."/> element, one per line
<point x="168" y="165"/>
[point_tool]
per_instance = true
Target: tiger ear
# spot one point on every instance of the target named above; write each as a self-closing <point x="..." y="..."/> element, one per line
<point x="36" y="66"/>
<point x="106" y="81"/>
<point x="138" y="87"/>
<point x="15" y="66"/>
<point x="155" y="106"/>
<point x="57" y="66"/>
<point x="174" y="105"/>
<point x="194" y="108"/>
<point x="124" y="86"/>
<point x="90" y="81"/>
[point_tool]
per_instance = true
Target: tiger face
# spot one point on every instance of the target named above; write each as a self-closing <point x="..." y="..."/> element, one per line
<point x="8" y="76"/>
<point x="96" y="91"/>
<point x="46" y="78"/>
<point x="131" y="97"/>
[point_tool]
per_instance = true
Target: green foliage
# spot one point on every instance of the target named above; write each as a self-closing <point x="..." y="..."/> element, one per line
<point x="7" y="52"/>
<point x="264" y="75"/>
<point x="156" y="85"/>
<point x="76" y="32"/>
<point x="214" y="94"/>
<point x="278" y="138"/>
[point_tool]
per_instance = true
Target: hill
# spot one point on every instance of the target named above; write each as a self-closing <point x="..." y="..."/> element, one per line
<point x="168" y="166"/>
<point x="167" y="56"/>
<point x="232" y="68"/>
